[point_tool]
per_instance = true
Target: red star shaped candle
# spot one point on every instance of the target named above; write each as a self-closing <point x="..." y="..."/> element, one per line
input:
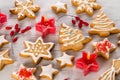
<point x="46" y="26"/>
<point x="87" y="63"/>
<point x="3" y="19"/>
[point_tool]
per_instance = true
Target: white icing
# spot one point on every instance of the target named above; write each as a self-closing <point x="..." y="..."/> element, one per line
<point x="65" y="59"/>
<point x="69" y="36"/>
<point x="60" y="5"/>
<point x="48" y="71"/>
<point x="40" y="55"/>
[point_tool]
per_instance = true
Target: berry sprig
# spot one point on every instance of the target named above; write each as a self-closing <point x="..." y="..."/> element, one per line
<point x="16" y="30"/>
<point x="79" y="22"/>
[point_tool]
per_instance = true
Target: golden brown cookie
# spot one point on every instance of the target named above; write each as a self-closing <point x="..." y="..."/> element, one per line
<point x="110" y="73"/>
<point x="48" y="72"/>
<point x="24" y="73"/>
<point x="3" y="41"/>
<point x="102" y="26"/>
<point x="5" y="58"/>
<point x="71" y="39"/>
<point x="65" y="60"/>
<point x="103" y="48"/>
<point x="24" y="9"/>
<point x="37" y="50"/>
<point x="59" y="7"/>
<point x="87" y="6"/>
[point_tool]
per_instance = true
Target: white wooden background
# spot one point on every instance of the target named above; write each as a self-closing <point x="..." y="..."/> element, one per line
<point x="110" y="7"/>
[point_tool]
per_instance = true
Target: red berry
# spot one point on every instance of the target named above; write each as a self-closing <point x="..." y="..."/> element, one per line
<point x="28" y="28"/>
<point x="8" y="28"/>
<point x="15" y="39"/>
<point x="16" y="26"/>
<point x="66" y="79"/>
<point x="23" y="31"/>
<point x="85" y="23"/>
<point x="12" y="33"/>
<point x="77" y="18"/>
<point x="80" y="24"/>
<point x="17" y="30"/>
<point x="73" y="22"/>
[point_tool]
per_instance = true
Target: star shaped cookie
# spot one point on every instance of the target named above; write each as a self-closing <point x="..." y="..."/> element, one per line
<point x="37" y="50"/>
<point x="87" y="6"/>
<point x="65" y="60"/>
<point x="103" y="48"/>
<point x="3" y="41"/>
<point x="24" y="73"/>
<point x="48" y="71"/>
<point x="25" y="9"/>
<point x="59" y="7"/>
<point x="5" y="59"/>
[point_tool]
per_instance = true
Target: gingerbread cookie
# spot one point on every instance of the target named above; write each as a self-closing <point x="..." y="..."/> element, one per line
<point x="5" y="58"/>
<point x="65" y="60"/>
<point x="3" y="41"/>
<point x="103" y="48"/>
<point x="59" y="7"/>
<point x="24" y="73"/>
<point x="25" y="9"/>
<point x="103" y="26"/>
<point x="87" y="6"/>
<point x="110" y="73"/>
<point x="71" y="39"/>
<point x="37" y="50"/>
<point x="48" y="72"/>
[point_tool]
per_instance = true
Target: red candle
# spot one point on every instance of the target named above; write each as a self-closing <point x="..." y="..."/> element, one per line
<point x="87" y="63"/>
<point x="3" y="19"/>
<point x="46" y="26"/>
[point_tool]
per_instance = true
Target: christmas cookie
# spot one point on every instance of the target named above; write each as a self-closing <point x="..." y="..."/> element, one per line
<point x="59" y="7"/>
<point x="71" y="39"/>
<point x="87" y="6"/>
<point x="111" y="72"/>
<point x="24" y="73"/>
<point x="65" y="60"/>
<point x="103" y="48"/>
<point x="24" y="9"/>
<point x="48" y="72"/>
<point x="5" y="59"/>
<point x="103" y="26"/>
<point x="37" y="50"/>
<point x="3" y="41"/>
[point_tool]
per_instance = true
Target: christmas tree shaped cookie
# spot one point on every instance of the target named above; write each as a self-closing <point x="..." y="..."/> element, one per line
<point x="111" y="72"/>
<point x="103" y="26"/>
<point x="71" y="39"/>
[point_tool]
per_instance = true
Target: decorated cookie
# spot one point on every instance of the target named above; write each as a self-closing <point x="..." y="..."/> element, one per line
<point x="103" y="48"/>
<point x="87" y="6"/>
<point x="24" y="9"/>
<point x="5" y="59"/>
<point x="59" y="7"/>
<point x="24" y="73"/>
<point x="3" y="41"/>
<point x="87" y="63"/>
<point x="103" y="26"/>
<point x="71" y="39"/>
<point x="48" y="72"/>
<point x="65" y="60"/>
<point x="111" y="72"/>
<point x="37" y="50"/>
<point x="46" y="26"/>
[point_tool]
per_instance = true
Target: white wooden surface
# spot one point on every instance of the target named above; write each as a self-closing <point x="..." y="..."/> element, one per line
<point x="110" y="7"/>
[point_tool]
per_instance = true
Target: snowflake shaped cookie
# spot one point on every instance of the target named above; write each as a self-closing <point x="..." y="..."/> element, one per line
<point x="65" y="60"/>
<point x="24" y="9"/>
<point x="3" y="41"/>
<point x="24" y="73"/>
<point x="37" y="50"/>
<point x="87" y="6"/>
<point x="5" y="59"/>
<point x="48" y="71"/>
<point x="59" y="7"/>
